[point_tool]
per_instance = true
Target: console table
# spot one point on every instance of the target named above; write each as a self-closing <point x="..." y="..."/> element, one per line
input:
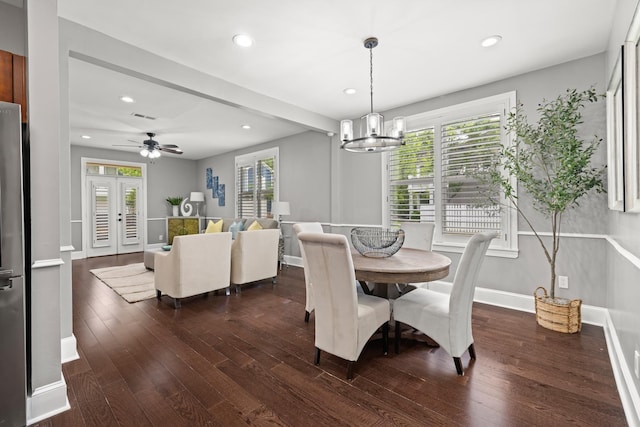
<point x="181" y="225"/>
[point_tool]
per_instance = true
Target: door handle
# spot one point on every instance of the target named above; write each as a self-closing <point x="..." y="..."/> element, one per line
<point x="6" y="275"/>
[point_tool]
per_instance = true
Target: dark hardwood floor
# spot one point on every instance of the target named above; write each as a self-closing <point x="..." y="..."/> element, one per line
<point x="248" y="359"/>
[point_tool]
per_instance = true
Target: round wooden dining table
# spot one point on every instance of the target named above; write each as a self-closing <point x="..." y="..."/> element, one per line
<point x="405" y="266"/>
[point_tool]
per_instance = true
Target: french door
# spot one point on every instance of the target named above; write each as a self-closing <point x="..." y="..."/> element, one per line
<point x="115" y="215"/>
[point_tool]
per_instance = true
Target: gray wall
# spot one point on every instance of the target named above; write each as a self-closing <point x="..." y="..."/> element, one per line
<point x="168" y="176"/>
<point x="623" y="272"/>
<point x="326" y="184"/>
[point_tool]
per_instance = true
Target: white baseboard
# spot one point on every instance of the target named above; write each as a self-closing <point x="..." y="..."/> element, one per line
<point x="591" y="315"/>
<point x="78" y="255"/>
<point x="47" y="401"/>
<point x="69" y="349"/>
<point x="624" y="380"/>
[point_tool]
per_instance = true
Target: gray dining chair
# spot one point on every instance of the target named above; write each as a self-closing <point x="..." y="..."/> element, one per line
<point x="344" y="319"/>
<point x="446" y="318"/>
<point x="307" y="227"/>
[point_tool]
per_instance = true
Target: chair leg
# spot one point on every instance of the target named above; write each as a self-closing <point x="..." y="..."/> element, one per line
<point x="306" y="316"/>
<point x="316" y="359"/>
<point x="237" y="289"/>
<point x="396" y="341"/>
<point x="158" y="293"/>
<point x="350" y="364"/>
<point x="176" y="303"/>
<point x="385" y="338"/>
<point x="472" y="352"/>
<point x="227" y="290"/>
<point x="274" y="279"/>
<point x="458" y="363"/>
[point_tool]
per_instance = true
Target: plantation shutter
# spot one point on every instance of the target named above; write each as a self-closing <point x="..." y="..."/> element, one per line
<point x="411" y="185"/>
<point x="101" y="215"/>
<point x="468" y="145"/>
<point x="245" y="184"/>
<point x="255" y="185"/>
<point x="130" y="213"/>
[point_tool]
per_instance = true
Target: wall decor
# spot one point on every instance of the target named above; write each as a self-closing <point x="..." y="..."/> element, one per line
<point x="221" y="194"/>
<point x="615" y="136"/>
<point x="215" y="187"/>
<point x="209" y="178"/>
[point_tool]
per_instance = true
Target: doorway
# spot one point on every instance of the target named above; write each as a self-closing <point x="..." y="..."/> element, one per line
<point x="113" y="207"/>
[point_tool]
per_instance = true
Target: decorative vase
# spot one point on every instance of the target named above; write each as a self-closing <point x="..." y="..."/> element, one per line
<point x="176" y="210"/>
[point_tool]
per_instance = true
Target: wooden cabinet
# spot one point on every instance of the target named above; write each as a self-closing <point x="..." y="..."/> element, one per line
<point x="181" y="225"/>
<point x="13" y="80"/>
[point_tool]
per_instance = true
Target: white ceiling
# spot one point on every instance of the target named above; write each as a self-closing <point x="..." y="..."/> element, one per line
<point x="305" y="53"/>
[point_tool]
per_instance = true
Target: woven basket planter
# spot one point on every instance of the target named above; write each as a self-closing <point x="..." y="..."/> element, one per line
<point x="557" y="314"/>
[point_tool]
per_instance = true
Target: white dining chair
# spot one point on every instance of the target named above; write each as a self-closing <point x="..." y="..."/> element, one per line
<point x="417" y="235"/>
<point x="344" y="319"/>
<point x="307" y="227"/>
<point x="446" y="318"/>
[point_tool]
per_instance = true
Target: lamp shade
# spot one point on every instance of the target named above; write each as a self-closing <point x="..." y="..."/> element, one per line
<point x="282" y="208"/>
<point x="196" y="196"/>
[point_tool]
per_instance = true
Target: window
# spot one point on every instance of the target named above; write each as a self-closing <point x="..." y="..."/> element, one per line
<point x="430" y="178"/>
<point x="256" y="183"/>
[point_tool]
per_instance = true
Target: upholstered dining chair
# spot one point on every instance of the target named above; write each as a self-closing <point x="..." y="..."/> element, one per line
<point x="307" y="227"/>
<point x="417" y="235"/>
<point x="344" y="319"/>
<point x="446" y="318"/>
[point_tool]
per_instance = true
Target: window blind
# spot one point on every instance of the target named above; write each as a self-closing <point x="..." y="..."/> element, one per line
<point x="468" y="145"/>
<point x="411" y="184"/>
<point x="255" y="186"/>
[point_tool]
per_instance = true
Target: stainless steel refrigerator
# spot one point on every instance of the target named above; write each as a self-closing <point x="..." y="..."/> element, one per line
<point x="13" y="375"/>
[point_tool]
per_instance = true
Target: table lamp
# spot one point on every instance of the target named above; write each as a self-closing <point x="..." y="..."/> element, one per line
<point x="197" y="197"/>
<point x="282" y="208"/>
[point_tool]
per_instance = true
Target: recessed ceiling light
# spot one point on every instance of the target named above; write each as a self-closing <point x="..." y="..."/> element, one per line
<point x="349" y="91"/>
<point x="491" y="41"/>
<point x="243" y="40"/>
<point x="246" y="127"/>
<point x="85" y="137"/>
<point x="127" y="99"/>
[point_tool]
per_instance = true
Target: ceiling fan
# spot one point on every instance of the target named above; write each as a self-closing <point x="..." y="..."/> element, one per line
<point x="151" y="148"/>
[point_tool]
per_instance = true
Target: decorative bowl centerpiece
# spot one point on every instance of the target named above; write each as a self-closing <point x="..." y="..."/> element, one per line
<point x="377" y="242"/>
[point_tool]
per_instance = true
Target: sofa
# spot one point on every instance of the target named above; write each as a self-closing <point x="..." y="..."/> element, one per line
<point x="196" y="264"/>
<point x="265" y="223"/>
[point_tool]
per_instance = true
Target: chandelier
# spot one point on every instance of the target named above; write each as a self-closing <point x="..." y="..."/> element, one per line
<point x="372" y="137"/>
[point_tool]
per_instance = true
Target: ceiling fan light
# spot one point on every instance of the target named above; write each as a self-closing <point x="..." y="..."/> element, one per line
<point x="144" y="152"/>
<point x="154" y="154"/>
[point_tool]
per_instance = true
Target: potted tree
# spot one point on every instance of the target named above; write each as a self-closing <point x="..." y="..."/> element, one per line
<point x="175" y="204"/>
<point x="554" y="166"/>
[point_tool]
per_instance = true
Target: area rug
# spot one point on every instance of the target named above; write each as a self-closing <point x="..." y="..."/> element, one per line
<point x="132" y="282"/>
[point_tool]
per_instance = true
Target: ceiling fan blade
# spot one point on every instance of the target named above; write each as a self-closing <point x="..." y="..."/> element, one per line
<point x="169" y="146"/>
<point x="126" y="145"/>
<point x="170" y="150"/>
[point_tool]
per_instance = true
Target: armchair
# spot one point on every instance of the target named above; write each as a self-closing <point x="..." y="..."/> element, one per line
<point x="196" y="264"/>
<point x="254" y="256"/>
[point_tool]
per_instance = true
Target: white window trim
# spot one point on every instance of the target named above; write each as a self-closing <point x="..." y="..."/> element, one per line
<point x="504" y="102"/>
<point x="251" y="159"/>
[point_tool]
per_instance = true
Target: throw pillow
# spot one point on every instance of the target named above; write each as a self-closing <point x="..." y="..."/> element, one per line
<point x="235" y="227"/>
<point x="214" y="227"/>
<point x="255" y="225"/>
